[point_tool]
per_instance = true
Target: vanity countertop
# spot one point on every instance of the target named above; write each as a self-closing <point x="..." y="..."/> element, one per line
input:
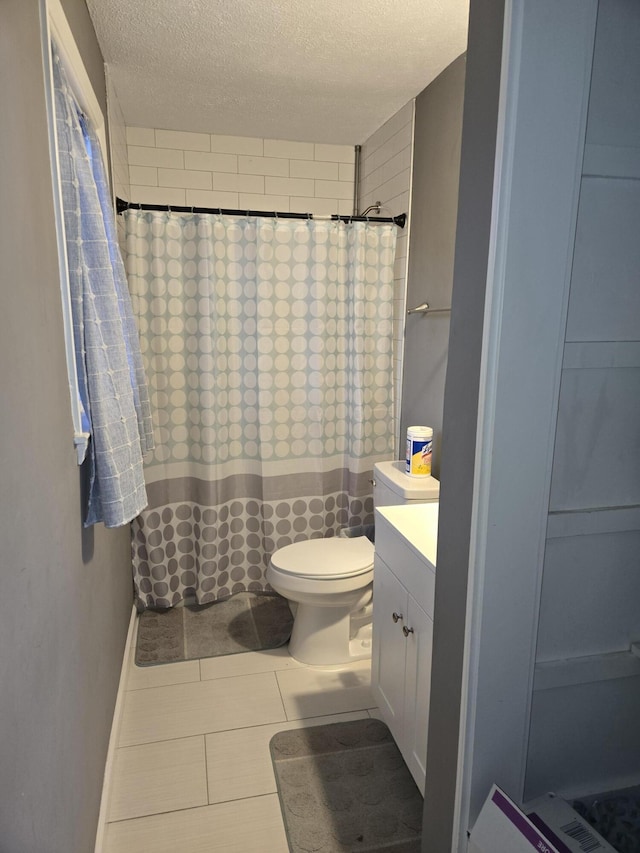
<point x="417" y="524"/>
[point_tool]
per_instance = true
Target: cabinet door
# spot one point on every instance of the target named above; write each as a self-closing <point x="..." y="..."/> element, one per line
<point x="417" y="690"/>
<point x="388" y="655"/>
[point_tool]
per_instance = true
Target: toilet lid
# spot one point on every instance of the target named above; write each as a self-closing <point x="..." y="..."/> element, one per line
<point x="325" y="558"/>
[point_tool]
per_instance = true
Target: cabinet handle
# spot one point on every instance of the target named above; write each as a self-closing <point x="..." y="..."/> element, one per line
<point x="397" y="617"/>
<point x="406" y="631"/>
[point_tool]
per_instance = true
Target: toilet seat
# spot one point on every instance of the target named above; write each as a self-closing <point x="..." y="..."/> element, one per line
<point x="325" y="559"/>
<point x="328" y="579"/>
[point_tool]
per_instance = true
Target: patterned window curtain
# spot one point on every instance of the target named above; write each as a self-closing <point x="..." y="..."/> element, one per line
<point x="111" y="378"/>
<point x="268" y="347"/>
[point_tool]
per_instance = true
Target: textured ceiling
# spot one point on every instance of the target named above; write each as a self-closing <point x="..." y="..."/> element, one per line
<point x="308" y="70"/>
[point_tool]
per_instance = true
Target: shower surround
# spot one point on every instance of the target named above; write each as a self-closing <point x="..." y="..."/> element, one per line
<point x="268" y="345"/>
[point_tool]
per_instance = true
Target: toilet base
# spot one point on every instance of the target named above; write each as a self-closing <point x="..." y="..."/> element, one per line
<point x="321" y="637"/>
<point x="360" y="645"/>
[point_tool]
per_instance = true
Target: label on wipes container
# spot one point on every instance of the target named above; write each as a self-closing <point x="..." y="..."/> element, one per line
<point x="419" y="447"/>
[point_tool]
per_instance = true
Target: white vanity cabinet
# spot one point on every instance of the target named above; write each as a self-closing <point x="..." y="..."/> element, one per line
<point x="403" y="596"/>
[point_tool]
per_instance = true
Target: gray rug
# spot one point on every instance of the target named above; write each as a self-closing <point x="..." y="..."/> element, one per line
<point x="344" y="787"/>
<point x="245" y="622"/>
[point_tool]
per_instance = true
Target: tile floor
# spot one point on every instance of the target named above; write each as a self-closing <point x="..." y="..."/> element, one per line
<point x="192" y="771"/>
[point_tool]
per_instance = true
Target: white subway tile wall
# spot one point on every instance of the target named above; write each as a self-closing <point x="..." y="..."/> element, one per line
<point x="166" y="158"/>
<point x="188" y="179"/>
<point x="146" y="175"/>
<point x="385" y="176"/>
<point x="209" y="170"/>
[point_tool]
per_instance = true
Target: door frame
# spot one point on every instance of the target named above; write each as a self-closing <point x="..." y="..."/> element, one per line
<point x="544" y="91"/>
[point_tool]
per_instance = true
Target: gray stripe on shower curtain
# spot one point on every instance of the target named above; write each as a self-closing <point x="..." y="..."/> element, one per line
<point x="209" y="492"/>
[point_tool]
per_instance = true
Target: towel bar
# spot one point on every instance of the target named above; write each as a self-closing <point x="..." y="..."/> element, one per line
<point x="425" y="309"/>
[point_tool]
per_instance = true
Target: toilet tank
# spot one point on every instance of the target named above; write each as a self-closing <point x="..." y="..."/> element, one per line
<point x="392" y="485"/>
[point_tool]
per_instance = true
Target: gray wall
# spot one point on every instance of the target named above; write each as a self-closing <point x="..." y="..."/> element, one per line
<point x="460" y="414"/>
<point x="434" y="205"/>
<point x="65" y="597"/>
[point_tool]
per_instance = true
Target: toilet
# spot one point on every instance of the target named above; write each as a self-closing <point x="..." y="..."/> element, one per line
<point x="331" y="580"/>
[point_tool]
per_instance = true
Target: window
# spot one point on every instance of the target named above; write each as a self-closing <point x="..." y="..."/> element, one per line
<point x="109" y="396"/>
<point x="54" y="26"/>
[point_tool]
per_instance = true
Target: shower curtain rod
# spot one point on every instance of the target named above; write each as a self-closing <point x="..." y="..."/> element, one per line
<point x="122" y="205"/>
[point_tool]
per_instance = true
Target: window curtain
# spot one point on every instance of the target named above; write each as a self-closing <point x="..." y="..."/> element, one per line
<point x="111" y="377"/>
<point x="269" y="350"/>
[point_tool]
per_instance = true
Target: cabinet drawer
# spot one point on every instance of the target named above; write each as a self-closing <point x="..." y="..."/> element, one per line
<point x="416" y="575"/>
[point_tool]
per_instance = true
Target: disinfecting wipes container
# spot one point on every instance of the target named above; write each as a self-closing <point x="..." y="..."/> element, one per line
<point x="419" y="446"/>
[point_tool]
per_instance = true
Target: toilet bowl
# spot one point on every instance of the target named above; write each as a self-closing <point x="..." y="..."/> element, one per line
<point x="331" y="580"/>
<point x="328" y="579"/>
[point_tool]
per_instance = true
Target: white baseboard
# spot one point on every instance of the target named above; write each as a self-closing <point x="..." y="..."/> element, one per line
<point x="113" y="737"/>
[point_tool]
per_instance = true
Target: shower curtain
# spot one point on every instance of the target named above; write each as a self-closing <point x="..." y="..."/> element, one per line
<point x="268" y="350"/>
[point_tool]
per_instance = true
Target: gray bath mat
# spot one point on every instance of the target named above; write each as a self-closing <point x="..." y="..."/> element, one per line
<point x="243" y="623"/>
<point x="344" y="787"/>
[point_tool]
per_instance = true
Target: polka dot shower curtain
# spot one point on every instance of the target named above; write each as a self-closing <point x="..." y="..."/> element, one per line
<point x="268" y="350"/>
